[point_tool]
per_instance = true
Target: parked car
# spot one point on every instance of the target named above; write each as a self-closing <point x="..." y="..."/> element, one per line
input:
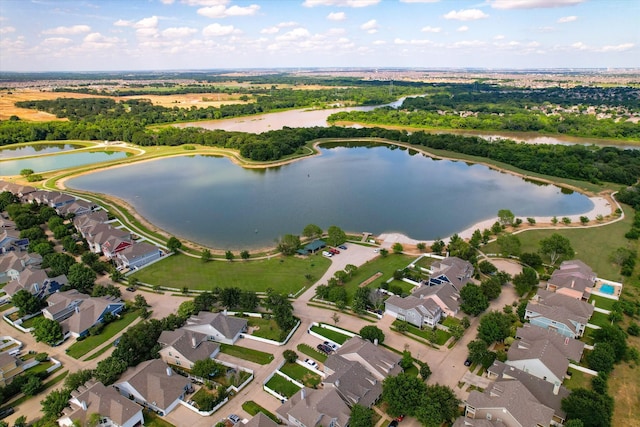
<point x="343" y="247"/>
<point x="234" y="418"/>
<point x="327" y="254"/>
<point x="393" y="423"/>
<point x="6" y="412"/>
<point x="399" y="418"/>
<point x="331" y="345"/>
<point x="334" y="251"/>
<point x="311" y="363"/>
<point x="467" y="362"/>
<point x="376" y="250"/>
<point x="131" y="289"/>
<point x="324" y="348"/>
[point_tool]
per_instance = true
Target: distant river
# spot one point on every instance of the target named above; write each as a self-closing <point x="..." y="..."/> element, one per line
<point x="211" y="201"/>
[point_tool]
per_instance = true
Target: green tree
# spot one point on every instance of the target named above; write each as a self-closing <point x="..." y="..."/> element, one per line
<point x="58" y="263"/>
<point x="584" y="220"/>
<point x="509" y="244"/>
<point x="491" y="288"/>
<point x="47" y="331"/>
<point x="533" y="260"/>
<point x="602" y="358"/>
<point x="245" y="255"/>
<point x="593" y="409"/>
<point x="476" y="239"/>
<point x="361" y="300"/>
<point x="496" y="228"/>
<point x="613" y="335"/>
<point x="289" y="244"/>
<point x="335" y="236"/>
<point x="205" y="255"/>
<point x="421" y="246"/>
<point x="78" y="378"/>
<point x="206" y="368"/>
<point x="425" y="370"/>
<point x="281" y="309"/>
<point x="187" y="309"/>
<point x="372" y="333"/>
<point x="26" y="172"/>
<point x="312" y="231"/>
<point x="525" y="281"/>
<point x="486" y="267"/>
<point x="440" y="405"/>
<point x="456" y="331"/>
<point x="494" y="326"/>
<point x="397" y="248"/>
<point x="556" y="247"/>
<point x="109" y="370"/>
<point x="506" y="217"/>
<point x="361" y="416"/>
<point x="473" y="300"/>
<point x="290" y="356"/>
<point x="566" y="220"/>
<point x="81" y="278"/>
<point x="139" y="342"/>
<point x="173" y="244"/>
<point x="32" y="386"/>
<point x="249" y="301"/>
<point x="384" y="252"/>
<point x="407" y="360"/>
<point x="478" y="351"/>
<point x="26" y="303"/>
<point x="403" y="393"/>
<point x="437" y="247"/>
<point x="54" y="402"/>
<point x="229" y="255"/>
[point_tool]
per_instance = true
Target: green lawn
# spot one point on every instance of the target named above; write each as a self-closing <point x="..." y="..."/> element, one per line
<point x="441" y="336"/>
<point x="267" y="329"/>
<point x="6" y="306"/>
<point x="151" y="419"/>
<point x="600" y="319"/>
<point x="334" y="336"/>
<point x="450" y="321"/>
<point x="29" y="322"/>
<point x="603" y="303"/>
<point x="301" y="374"/>
<point x="283" y="274"/>
<point x="253" y="408"/>
<point x="282" y="386"/>
<point x="312" y="352"/>
<point x="249" y="354"/>
<point x="425" y="262"/>
<point x="387" y="265"/>
<point x="407" y="288"/>
<point x="80" y="348"/>
<point x="578" y="380"/>
<point x="591" y="245"/>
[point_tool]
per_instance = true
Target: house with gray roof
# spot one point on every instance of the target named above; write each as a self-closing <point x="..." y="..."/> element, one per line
<point x="10" y="240"/>
<point x="379" y="361"/>
<point x="315" y="408"/>
<point x="94" y="398"/>
<point x="543" y="353"/>
<point x="261" y="420"/>
<point x="417" y="311"/>
<point x="184" y="348"/>
<point x="13" y="263"/>
<point x="550" y="395"/>
<point x="77" y="312"/>
<point x="566" y="315"/>
<point x="217" y="326"/>
<point x="450" y="270"/>
<point x="35" y="281"/>
<point x="353" y="382"/>
<point x="78" y="207"/>
<point x="447" y="296"/>
<point x="137" y="255"/>
<point x="154" y="385"/>
<point x="573" y="278"/>
<point x="85" y="222"/>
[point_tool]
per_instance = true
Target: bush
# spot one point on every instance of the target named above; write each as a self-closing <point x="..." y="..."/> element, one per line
<point x="42" y="357"/>
<point x="633" y="329"/>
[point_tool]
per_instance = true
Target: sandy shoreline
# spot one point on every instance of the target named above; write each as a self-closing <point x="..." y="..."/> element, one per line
<point x="604" y="204"/>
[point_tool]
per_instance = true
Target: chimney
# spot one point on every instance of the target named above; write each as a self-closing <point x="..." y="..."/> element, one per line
<point x="169" y="371"/>
<point x="556" y="388"/>
<point x="194" y="344"/>
<point x="337" y="383"/>
<point x="84" y="405"/>
<point x="375" y="341"/>
<point x="302" y="393"/>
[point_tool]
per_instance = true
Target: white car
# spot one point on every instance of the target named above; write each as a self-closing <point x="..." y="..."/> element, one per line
<point x="311" y="363"/>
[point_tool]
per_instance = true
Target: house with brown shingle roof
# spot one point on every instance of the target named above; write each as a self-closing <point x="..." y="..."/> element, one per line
<point x="153" y="384"/>
<point x="94" y="398"/>
<point x="217" y="326"/>
<point x="379" y="361"/>
<point x="543" y="353"/>
<point x="452" y="270"/>
<point x="417" y="311"/>
<point x="35" y="281"/>
<point x="315" y="408"/>
<point x="78" y="207"/>
<point x="563" y="314"/>
<point x="261" y="420"/>
<point x="184" y="348"/>
<point x="137" y="255"/>
<point x="447" y="296"/>
<point x="573" y="278"/>
<point x="353" y="382"/>
<point x="12" y="264"/>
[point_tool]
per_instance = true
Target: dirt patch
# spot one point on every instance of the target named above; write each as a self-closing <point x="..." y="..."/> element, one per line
<point x="370" y="279"/>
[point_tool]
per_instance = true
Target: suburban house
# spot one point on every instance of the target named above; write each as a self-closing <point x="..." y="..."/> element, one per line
<point x="85" y="222"/>
<point x="566" y="315"/>
<point x="12" y="264"/>
<point x="315" y="408"/>
<point x="261" y="420"/>
<point x="543" y="353"/>
<point x="154" y="385"/>
<point x="137" y="255"/>
<point x="379" y="361"/>
<point x="77" y="208"/>
<point x="94" y="398"/>
<point x="417" y="311"/>
<point x="103" y="238"/>
<point x="447" y="296"/>
<point x="77" y="312"/>
<point x="450" y="270"/>
<point x="184" y="348"/>
<point x="217" y="326"/>
<point x="10" y="366"/>
<point x="574" y="278"/>
<point x="36" y="282"/>
<point x="37" y="196"/>
<point x="353" y="382"/>
<point x="55" y="199"/>
<point x="10" y="240"/>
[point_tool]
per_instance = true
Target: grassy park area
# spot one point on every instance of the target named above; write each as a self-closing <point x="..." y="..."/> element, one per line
<point x="80" y="348"/>
<point x="245" y="353"/>
<point x="283" y="274"/>
<point x="282" y="386"/>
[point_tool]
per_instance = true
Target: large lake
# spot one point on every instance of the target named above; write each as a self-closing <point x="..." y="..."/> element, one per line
<point x="378" y="189"/>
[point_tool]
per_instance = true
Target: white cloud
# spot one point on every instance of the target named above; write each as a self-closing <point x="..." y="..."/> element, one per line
<point x="531" y="4"/>
<point x="167" y="1"/>
<point x="466" y="15"/>
<point x="468" y="43"/>
<point x="336" y="16"/>
<point x="336" y="31"/>
<point x="221" y="11"/>
<point x="617" y="48"/>
<point x="98" y="41"/>
<point x="340" y="3"/>
<point x="74" y="29"/>
<point x="287" y="24"/>
<point x="429" y="29"/>
<point x="370" y="26"/>
<point x="498" y="37"/>
<point x="294" y="35"/>
<point x="379" y="42"/>
<point x="205" y="2"/>
<point x="462" y="29"/>
<point x="7" y="30"/>
<point x="579" y="46"/>
<point x="269" y="30"/>
<point x="150" y="22"/>
<point x="56" y="41"/>
<point x="413" y="42"/>
<point x="217" y="30"/>
<point x="419" y="1"/>
<point x="566" y="19"/>
<point x="178" y="32"/>
<point x="123" y="23"/>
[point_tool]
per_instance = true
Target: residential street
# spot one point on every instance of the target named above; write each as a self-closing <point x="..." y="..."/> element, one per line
<point x="447" y="365"/>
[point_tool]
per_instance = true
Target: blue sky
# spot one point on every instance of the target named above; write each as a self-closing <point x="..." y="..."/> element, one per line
<point x="92" y="35"/>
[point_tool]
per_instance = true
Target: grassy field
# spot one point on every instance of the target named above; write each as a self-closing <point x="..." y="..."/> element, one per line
<point x="80" y="348"/>
<point x="267" y="329"/>
<point x="301" y="374"/>
<point x="592" y="245"/>
<point x="283" y="274"/>
<point x="253" y="408"/>
<point x="624" y="385"/>
<point x="249" y="354"/>
<point x="599" y="319"/>
<point x="334" y="336"/>
<point x="387" y="265"/>
<point x="282" y="386"/>
<point x="601" y="302"/>
<point x="312" y="352"/>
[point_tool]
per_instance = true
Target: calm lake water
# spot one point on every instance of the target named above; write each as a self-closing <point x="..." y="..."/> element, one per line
<point x="48" y="163"/>
<point x="35" y="149"/>
<point x="377" y="189"/>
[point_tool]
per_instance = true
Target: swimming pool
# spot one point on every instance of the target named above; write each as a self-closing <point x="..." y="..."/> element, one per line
<point x="607" y="289"/>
